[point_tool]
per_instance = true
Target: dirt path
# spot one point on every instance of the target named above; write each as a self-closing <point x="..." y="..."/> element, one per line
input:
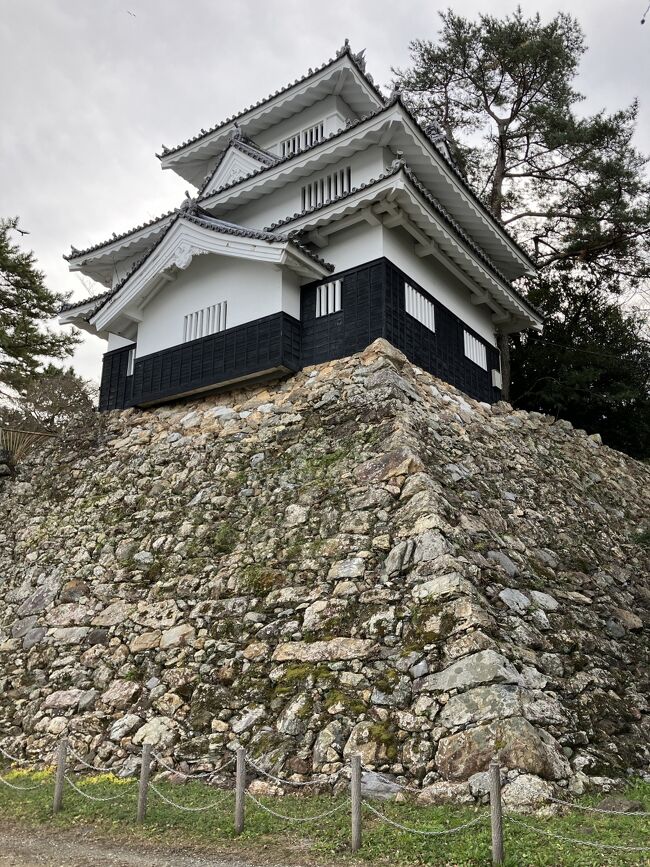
<point x="35" y="847"/>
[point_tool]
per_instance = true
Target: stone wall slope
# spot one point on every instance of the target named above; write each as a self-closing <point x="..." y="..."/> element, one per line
<point x="359" y="558"/>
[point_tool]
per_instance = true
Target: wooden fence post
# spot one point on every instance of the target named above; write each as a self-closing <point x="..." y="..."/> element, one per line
<point x="240" y="790"/>
<point x="495" y="812"/>
<point x="59" y="780"/>
<point x="145" y="770"/>
<point x="355" y="796"/>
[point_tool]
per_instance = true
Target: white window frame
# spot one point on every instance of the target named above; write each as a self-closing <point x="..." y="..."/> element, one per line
<point x="323" y="189"/>
<point x="420" y="307"/>
<point x="475" y="350"/>
<point x="328" y="298"/>
<point x="206" y="321"/>
<point x="130" y="362"/>
<point x="303" y="139"/>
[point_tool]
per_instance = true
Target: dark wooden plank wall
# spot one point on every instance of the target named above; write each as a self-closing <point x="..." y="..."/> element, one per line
<point x="115" y="389"/>
<point x="265" y="343"/>
<point x="443" y="352"/>
<point x="359" y="322"/>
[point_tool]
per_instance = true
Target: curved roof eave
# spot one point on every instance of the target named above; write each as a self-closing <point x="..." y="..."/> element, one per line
<point x="169" y="156"/>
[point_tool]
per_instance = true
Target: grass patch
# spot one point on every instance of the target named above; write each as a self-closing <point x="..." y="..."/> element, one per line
<point x="328" y="839"/>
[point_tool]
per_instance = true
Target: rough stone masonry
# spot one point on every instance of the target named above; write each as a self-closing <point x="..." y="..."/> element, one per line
<point x="358" y="558"/>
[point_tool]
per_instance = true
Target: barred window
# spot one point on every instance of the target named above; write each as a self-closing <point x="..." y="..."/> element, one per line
<point x="328" y="298"/>
<point x="335" y="184"/>
<point x="209" y="320"/>
<point x="419" y="307"/>
<point x="303" y="139"/>
<point x="130" y="362"/>
<point x="475" y="350"/>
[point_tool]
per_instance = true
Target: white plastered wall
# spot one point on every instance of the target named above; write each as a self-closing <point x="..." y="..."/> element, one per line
<point x="432" y="276"/>
<point x="116" y="341"/>
<point x="251" y="290"/>
<point x="286" y="201"/>
<point x="332" y="111"/>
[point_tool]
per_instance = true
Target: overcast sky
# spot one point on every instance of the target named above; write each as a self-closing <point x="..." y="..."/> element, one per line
<point x="92" y="88"/>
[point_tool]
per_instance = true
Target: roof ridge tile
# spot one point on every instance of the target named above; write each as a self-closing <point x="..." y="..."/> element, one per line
<point x="346" y="50"/>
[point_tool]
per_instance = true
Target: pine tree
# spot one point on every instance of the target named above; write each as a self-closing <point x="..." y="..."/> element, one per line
<point x="26" y="343"/>
<point x="572" y="188"/>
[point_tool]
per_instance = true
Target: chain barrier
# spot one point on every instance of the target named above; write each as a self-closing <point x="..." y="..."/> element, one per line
<point x="169" y="768"/>
<point x="598" y="809"/>
<point x="297" y="818"/>
<point x="279" y="779"/>
<point x="576" y="840"/>
<point x="90" y="797"/>
<point x="182" y="807"/>
<point x="22" y="788"/>
<point x="98" y="768"/>
<point x="411" y="789"/>
<point x="14" y="759"/>
<point x="422" y="832"/>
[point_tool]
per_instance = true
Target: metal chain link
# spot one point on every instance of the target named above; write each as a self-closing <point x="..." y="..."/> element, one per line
<point x="410" y="789"/>
<point x="297" y="818"/>
<point x="14" y="758"/>
<point x="424" y="833"/>
<point x="576" y="840"/>
<point x="21" y="788"/>
<point x="598" y="809"/>
<point x="185" y="809"/>
<point x="90" y="797"/>
<point x="81" y="761"/>
<point x="282" y="782"/>
<point x="169" y="768"/>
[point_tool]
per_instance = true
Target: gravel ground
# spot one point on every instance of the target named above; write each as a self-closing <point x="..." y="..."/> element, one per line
<point x="32" y="847"/>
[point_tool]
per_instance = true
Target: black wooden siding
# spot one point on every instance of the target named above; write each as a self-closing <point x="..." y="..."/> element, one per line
<point x="359" y="322"/>
<point x="443" y="352"/>
<point x="264" y="344"/>
<point x="116" y="387"/>
<point x="372" y="306"/>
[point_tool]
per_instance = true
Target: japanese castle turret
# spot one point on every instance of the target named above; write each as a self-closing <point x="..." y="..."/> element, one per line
<point x="324" y="217"/>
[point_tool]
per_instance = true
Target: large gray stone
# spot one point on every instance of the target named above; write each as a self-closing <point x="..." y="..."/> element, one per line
<point x="482" y="704"/>
<point x="337" y="649"/>
<point x="380" y="787"/>
<point x="485" y="666"/>
<point x="518" y="743"/>
<point x="515" y="600"/>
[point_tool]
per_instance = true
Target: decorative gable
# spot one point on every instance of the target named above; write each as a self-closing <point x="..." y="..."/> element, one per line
<point x="235" y="164"/>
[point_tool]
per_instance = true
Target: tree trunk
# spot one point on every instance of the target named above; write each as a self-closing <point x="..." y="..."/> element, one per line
<point x="496" y="192"/>
<point x="503" y="341"/>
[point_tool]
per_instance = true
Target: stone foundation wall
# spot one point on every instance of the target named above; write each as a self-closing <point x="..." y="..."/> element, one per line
<point x="359" y="558"/>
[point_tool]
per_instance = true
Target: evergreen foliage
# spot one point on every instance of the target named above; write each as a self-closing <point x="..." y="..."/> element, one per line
<point x="26" y="344"/>
<point x="573" y="189"/>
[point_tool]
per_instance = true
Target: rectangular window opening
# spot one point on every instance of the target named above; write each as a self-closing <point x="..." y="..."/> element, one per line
<point x="328" y="298"/>
<point x="419" y="307"/>
<point x="329" y="187"/>
<point x="208" y="320"/>
<point x="475" y="350"/>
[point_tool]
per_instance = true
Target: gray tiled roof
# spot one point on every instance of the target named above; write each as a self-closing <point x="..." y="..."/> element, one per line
<point x="395" y="99"/>
<point x="208" y="222"/>
<point x="70" y="305"/>
<point x="397" y="167"/>
<point x="312" y="72"/>
<point x="76" y="253"/>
